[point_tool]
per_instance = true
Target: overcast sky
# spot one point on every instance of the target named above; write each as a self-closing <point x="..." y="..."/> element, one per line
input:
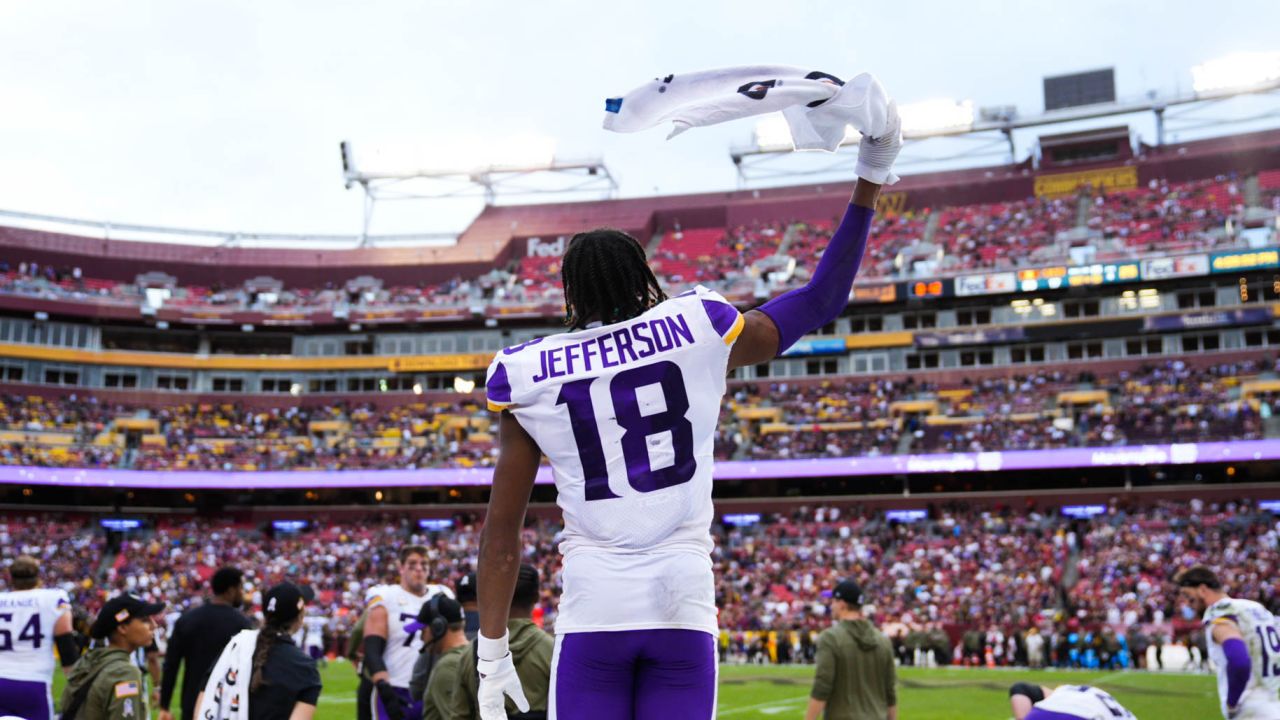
<point x="227" y="114"/>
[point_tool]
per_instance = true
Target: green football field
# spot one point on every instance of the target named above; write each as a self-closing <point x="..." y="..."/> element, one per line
<point x="758" y="691"/>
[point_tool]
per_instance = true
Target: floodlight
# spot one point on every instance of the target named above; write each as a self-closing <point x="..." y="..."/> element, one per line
<point x="936" y="115"/>
<point x="773" y="133"/>
<point x="1238" y="70"/>
<point x="463" y="385"/>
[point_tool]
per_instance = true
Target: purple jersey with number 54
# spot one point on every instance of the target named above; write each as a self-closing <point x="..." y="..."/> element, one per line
<point x="626" y="414"/>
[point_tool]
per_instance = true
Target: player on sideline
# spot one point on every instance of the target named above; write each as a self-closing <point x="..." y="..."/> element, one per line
<point x="624" y="406"/>
<point x="1244" y="644"/>
<point x="389" y="650"/>
<point x="36" y="620"/>
<point x="1067" y="702"/>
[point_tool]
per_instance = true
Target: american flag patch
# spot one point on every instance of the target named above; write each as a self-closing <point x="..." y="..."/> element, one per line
<point x="126" y="689"/>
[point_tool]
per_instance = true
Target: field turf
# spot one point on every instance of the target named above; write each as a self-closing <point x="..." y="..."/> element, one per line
<point x="756" y="691"/>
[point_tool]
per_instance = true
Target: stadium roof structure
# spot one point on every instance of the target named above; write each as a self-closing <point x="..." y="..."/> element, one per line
<point x="991" y="132"/>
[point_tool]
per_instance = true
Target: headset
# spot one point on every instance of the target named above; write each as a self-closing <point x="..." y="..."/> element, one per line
<point x="438" y="625"/>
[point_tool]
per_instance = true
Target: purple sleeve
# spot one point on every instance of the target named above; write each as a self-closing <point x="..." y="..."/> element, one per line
<point x="825" y="296"/>
<point x="1239" y="669"/>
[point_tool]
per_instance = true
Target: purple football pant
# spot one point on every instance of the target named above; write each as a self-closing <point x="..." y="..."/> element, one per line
<point x="27" y="699"/>
<point x="413" y="709"/>
<point x="634" y="675"/>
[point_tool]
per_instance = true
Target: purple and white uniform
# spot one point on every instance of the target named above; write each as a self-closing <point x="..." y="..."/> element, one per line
<point x="626" y="414"/>
<point x="1079" y="702"/>
<point x="1261" y="632"/>
<point x="27" y="618"/>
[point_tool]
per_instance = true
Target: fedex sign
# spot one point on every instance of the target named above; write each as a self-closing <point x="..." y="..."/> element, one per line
<point x="546" y="248"/>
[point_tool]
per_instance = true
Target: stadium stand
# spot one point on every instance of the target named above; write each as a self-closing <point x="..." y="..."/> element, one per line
<point x="1170" y="401"/>
<point x="967" y="580"/>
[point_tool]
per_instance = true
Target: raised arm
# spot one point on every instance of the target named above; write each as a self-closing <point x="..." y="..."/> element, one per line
<point x="779" y="323"/>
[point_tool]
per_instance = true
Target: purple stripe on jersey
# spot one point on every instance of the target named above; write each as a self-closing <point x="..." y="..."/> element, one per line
<point x="1042" y="714"/>
<point x="723" y="315"/>
<point x="635" y="675"/>
<point x="499" y="387"/>
<point x="28" y="699"/>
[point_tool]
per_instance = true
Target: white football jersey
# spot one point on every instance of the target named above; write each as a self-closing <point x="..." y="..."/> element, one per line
<point x="313" y="631"/>
<point x="1261" y="697"/>
<point x="626" y="414"/>
<point x="1084" y="702"/>
<point x="27" y="618"/>
<point x="402" y="608"/>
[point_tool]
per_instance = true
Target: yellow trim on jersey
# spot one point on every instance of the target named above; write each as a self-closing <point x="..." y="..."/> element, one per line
<point x="498" y="407"/>
<point x="735" y="331"/>
<point x="1224" y="619"/>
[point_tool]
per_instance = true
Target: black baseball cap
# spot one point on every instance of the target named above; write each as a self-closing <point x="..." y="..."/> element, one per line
<point x="285" y="601"/>
<point x="448" y="608"/>
<point x="120" y="610"/>
<point x="848" y="591"/>
<point x="466" y="589"/>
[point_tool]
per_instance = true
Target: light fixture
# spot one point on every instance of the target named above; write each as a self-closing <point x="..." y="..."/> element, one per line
<point x="932" y="116"/>
<point x="1238" y="70"/>
<point x="463" y="385"/>
<point x="773" y="133"/>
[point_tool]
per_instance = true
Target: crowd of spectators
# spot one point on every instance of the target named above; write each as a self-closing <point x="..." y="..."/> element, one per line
<point x="963" y="584"/>
<point x="1169" y="401"/>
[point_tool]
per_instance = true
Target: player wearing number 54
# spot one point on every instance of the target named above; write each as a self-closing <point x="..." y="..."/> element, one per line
<point x="624" y="406"/>
<point x="33" y="622"/>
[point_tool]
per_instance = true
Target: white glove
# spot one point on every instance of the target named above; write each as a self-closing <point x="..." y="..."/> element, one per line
<point x="876" y="154"/>
<point x="498" y="679"/>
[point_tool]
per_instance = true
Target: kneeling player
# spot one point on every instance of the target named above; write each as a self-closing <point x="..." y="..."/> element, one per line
<point x="1068" y="702"/>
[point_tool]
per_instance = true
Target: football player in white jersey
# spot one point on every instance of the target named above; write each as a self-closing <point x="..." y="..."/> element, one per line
<point x="1244" y="644"/>
<point x="625" y="406"/>
<point x="313" y="626"/>
<point x="33" y="621"/>
<point x="1067" y="702"/>
<point x="389" y="650"/>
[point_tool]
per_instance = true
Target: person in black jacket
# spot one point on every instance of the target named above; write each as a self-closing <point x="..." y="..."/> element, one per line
<point x="198" y="638"/>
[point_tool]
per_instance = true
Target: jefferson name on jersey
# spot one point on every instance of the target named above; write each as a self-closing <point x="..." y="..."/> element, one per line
<point x="626" y="414"/>
<point x="628" y="344"/>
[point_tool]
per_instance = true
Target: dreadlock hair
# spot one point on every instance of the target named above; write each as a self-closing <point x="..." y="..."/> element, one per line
<point x="273" y="632"/>
<point x="606" y="278"/>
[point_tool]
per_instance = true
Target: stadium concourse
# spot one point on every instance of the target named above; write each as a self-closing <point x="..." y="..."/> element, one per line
<point x="962" y="583"/>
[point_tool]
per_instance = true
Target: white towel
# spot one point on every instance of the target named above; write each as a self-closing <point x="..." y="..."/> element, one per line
<point x="226" y="695"/>
<point x="817" y="105"/>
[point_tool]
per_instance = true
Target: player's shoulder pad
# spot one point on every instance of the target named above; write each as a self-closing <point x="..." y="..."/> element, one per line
<point x="723" y="316"/>
<point x="505" y="364"/>
<point x="444" y="590"/>
<point x="375" y="596"/>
